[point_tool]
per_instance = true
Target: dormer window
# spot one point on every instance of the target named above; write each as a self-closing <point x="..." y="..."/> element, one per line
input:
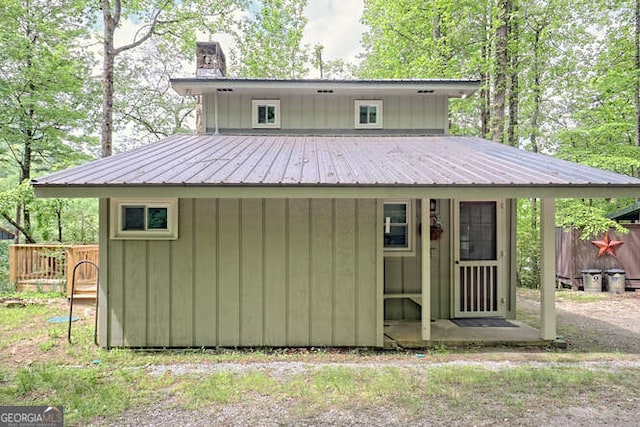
<point x="266" y="113"/>
<point x="368" y="114"/>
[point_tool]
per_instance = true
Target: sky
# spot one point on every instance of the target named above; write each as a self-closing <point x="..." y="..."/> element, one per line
<point x="335" y="24"/>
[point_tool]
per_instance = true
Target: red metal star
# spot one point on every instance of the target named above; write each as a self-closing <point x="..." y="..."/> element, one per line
<point x="607" y="246"/>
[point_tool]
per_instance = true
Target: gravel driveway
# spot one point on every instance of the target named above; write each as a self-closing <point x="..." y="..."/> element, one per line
<point x="610" y="325"/>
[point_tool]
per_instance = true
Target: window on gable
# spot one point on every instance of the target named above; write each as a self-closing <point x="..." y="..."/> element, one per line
<point x="368" y="114"/>
<point x="144" y="219"/>
<point x="398" y="224"/>
<point x="266" y="113"/>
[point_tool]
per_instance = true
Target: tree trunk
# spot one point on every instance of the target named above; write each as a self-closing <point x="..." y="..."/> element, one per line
<point x="485" y="88"/>
<point x="59" y="219"/>
<point x="25" y="172"/>
<point x="110" y="22"/>
<point x="500" y="76"/>
<point x="537" y="92"/>
<point x="514" y="86"/>
<point x="637" y="76"/>
<point x="18" y="227"/>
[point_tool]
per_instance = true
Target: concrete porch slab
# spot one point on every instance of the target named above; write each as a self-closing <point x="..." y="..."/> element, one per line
<point x="407" y="334"/>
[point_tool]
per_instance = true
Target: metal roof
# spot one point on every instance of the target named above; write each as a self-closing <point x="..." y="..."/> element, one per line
<point x="331" y="161"/>
<point x="630" y="213"/>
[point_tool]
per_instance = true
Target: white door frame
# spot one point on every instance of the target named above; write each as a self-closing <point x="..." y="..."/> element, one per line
<point x="483" y="295"/>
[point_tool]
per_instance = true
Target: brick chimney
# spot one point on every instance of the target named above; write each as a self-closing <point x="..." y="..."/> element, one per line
<point x="210" y="60"/>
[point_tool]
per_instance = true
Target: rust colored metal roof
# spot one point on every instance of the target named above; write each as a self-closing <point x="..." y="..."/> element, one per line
<point x="237" y="160"/>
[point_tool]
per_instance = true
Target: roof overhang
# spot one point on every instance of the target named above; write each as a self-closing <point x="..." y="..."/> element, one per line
<point x="472" y="192"/>
<point x="452" y="88"/>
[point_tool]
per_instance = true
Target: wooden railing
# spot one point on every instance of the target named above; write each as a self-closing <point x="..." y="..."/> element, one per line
<point x="53" y="264"/>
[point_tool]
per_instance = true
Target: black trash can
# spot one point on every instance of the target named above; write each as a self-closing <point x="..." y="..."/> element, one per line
<point x="592" y="280"/>
<point x="615" y="280"/>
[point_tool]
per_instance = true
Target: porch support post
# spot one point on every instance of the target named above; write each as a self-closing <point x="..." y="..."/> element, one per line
<point x="547" y="269"/>
<point x="425" y="245"/>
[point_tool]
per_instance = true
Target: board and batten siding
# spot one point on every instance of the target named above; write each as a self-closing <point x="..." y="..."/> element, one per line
<point x="247" y="272"/>
<point x="329" y="112"/>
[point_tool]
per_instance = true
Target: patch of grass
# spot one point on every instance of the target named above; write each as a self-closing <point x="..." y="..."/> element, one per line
<point x="578" y="296"/>
<point x="346" y="387"/>
<point x="32" y="315"/>
<point x="83" y="392"/>
<point x="34" y="295"/>
<point x="224" y="387"/>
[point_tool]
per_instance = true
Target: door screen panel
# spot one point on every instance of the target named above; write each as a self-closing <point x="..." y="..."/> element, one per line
<point x="478" y="240"/>
<point x="477" y="289"/>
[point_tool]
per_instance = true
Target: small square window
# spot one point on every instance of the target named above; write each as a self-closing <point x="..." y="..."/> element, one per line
<point x="144" y="219"/>
<point x="266" y="113"/>
<point x="133" y="217"/>
<point x="397" y="227"/>
<point x="368" y="114"/>
<point x="157" y="218"/>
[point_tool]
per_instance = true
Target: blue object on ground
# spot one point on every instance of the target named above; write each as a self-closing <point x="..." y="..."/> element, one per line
<point x="62" y="319"/>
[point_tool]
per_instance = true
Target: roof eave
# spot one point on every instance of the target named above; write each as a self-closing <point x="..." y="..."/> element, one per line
<point x="448" y="87"/>
<point x="471" y="192"/>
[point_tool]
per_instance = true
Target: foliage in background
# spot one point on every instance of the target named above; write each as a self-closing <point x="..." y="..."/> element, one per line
<point x="528" y="246"/>
<point x="61" y="220"/>
<point x="4" y="266"/>
<point x="46" y="91"/>
<point x="146" y="108"/>
<point x="588" y="216"/>
<point x="174" y="22"/>
<point x="269" y="41"/>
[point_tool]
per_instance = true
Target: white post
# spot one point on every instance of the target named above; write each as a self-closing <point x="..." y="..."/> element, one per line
<point x="426" y="269"/>
<point x="215" y="107"/>
<point x="547" y="269"/>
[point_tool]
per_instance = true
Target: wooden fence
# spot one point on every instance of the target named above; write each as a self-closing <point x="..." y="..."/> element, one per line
<point x="40" y="266"/>
<point x="575" y="254"/>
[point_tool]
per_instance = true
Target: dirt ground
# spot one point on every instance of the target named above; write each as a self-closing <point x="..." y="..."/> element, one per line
<point x="610" y="324"/>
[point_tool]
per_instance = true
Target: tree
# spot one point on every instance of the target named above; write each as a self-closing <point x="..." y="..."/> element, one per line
<point x="146" y="108"/>
<point x="500" y="46"/>
<point x="172" y="20"/>
<point x="269" y="42"/>
<point x="436" y="39"/>
<point x="636" y="86"/>
<point x="45" y="91"/>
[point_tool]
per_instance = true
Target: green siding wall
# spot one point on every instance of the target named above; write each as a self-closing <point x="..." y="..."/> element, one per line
<point x="329" y="111"/>
<point x="250" y="272"/>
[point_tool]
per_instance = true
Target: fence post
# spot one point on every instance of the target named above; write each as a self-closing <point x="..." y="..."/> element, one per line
<point x="13" y="267"/>
<point x="70" y="260"/>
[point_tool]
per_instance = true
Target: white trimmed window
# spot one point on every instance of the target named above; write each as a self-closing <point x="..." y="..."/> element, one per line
<point x="144" y="219"/>
<point x="398" y="227"/>
<point x="266" y="113"/>
<point x="368" y="114"/>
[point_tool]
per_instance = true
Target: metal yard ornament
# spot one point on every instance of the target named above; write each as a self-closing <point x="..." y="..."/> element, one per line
<point x="607" y="246"/>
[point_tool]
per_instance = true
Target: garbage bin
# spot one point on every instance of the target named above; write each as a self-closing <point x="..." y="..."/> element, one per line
<point x="592" y="280"/>
<point x="615" y="280"/>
